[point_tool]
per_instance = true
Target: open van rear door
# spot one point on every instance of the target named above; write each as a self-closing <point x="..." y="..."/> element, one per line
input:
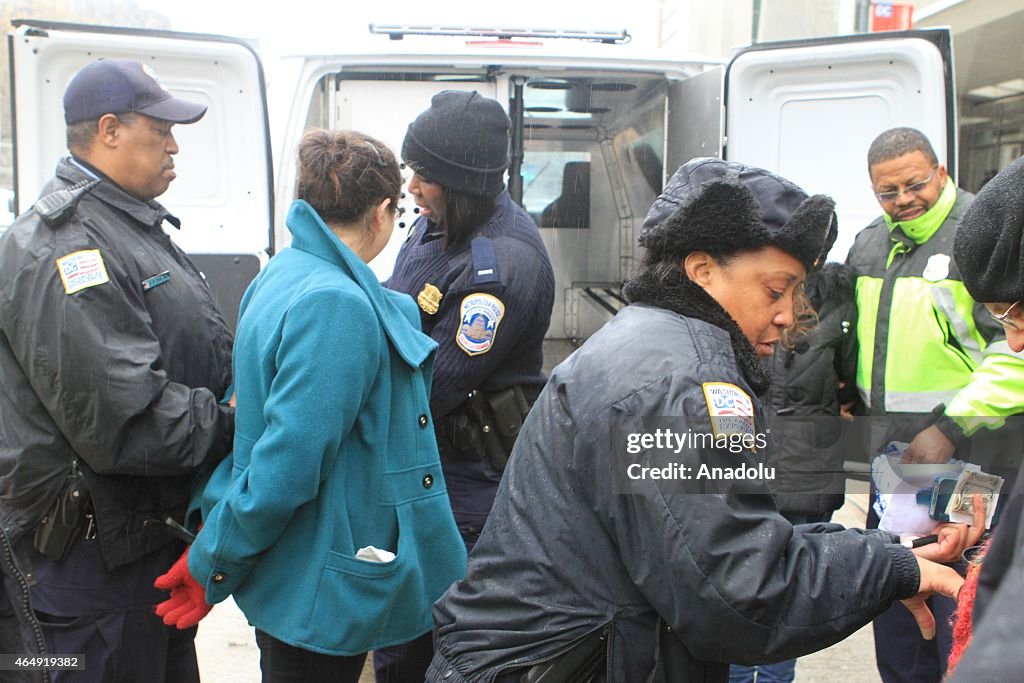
<point x="809" y="109"/>
<point x="224" y="189"/>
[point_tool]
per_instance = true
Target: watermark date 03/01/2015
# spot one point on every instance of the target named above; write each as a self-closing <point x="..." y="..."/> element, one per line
<point x="38" y="662"/>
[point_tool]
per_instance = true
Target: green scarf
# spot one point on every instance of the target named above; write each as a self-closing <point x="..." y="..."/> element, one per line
<point x="924" y="226"/>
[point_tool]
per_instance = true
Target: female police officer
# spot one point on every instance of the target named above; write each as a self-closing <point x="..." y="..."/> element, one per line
<point x="480" y="273"/>
<point x="608" y="577"/>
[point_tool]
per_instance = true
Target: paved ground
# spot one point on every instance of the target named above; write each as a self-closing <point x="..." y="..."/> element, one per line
<point x="853" y="660"/>
<point x="228" y="652"/>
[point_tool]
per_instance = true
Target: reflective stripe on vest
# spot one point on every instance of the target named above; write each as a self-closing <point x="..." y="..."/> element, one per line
<point x="943" y="300"/>
<point x="916" y="401"/>
<point x="930" y="348"/>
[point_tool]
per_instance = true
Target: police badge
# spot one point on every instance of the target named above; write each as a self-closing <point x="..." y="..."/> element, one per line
<point x="429" y="299"/>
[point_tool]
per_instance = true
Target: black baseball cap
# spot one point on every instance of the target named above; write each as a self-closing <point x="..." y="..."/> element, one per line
<point x="119" y="86"/>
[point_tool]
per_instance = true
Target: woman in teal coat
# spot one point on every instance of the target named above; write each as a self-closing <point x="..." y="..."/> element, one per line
<point x="330" y="523"/>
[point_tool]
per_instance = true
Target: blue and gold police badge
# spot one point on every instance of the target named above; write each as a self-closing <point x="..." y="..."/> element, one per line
<point x="479" y="318"/>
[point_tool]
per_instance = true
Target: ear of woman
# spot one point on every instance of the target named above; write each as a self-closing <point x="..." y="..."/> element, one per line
<point x="699" y="266"/>
<point x="382" y="214"/>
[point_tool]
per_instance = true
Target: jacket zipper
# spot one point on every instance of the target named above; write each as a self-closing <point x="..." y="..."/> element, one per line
<point x="23" y="604"/>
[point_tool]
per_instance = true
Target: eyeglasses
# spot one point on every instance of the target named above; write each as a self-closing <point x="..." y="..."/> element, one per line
<point x="893" y="195"/>
<point x="1004" y="318"/>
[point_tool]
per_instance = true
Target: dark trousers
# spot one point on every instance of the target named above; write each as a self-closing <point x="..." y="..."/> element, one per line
<point x="108" y="618"/>
<point x="471" y="502"/>
<point x="903" y="656"/>
<point x="405" y="662"/>
<point x="284" y="663"/>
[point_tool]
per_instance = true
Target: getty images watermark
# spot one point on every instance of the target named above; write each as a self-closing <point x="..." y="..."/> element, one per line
<point x="686" y="455"/>
<point x="668" y="440"/>
<point x="789" y="455"/>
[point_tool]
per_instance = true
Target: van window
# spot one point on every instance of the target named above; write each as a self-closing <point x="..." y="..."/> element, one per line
<point x="556" y="188"/>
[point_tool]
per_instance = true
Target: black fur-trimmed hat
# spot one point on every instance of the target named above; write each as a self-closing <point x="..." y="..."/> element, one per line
<point x="724" y="207"/>
<point x="989" y="243"/>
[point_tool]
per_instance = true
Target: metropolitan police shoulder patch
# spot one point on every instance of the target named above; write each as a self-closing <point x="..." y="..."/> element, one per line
<point x="82" y="269"/>
<point x="479" y="317"/>
<point x="730" y="408"/>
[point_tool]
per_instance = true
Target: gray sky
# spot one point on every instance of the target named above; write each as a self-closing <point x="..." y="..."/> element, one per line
<point x="294" y="23"/>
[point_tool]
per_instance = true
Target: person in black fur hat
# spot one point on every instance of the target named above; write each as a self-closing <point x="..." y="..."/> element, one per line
<point x="619" y="547"/>
<point x="713" y="213"/>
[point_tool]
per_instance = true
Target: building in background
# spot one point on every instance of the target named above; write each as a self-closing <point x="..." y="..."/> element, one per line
<point x="987" y="44"/>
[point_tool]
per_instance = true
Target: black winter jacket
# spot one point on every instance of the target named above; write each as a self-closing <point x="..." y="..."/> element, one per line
<point x="112" y="353"/>
<point x="804" y="398"/>
<point x="683" y="582"/>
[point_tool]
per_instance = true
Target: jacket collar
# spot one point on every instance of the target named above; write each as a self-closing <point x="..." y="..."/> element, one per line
<point x="498" y="223"/>
<point x="150" y="213"/>
<point x="312" y="235"/>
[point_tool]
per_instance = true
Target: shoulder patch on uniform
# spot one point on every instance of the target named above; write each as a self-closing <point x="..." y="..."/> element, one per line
<point x="479" y="317"/>
<point x="82" y="269"/>
<point x="730" y="408"/>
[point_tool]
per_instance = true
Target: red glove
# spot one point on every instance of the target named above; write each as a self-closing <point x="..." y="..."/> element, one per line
<point x="187" y="604"/>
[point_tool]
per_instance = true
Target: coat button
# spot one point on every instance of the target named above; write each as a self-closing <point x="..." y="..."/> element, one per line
<point x="424" y="420"/>
<point x="428" y="481"/>
<point x="218" y="577"/>
<point x="448" y="674"/>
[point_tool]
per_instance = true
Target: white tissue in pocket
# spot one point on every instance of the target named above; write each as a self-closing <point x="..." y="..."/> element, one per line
<point x="371" y="554"/>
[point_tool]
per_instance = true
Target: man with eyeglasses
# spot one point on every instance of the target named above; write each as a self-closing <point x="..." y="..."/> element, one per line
<point x="988" y="253"/>
<point x="931" y="361"/>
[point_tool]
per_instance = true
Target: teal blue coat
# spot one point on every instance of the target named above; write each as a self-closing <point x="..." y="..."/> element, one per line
<point x="334" y="451"/>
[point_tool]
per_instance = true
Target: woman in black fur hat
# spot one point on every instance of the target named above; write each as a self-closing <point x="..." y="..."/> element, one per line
<point x="623" y="544"/>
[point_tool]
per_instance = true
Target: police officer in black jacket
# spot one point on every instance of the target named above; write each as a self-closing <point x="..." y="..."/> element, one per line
<point x="113" y="358"/>
<point x="611" y="558"/>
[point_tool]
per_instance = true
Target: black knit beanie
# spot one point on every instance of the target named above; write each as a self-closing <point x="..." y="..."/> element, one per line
<point x="989" y="243"/>
<point x="460" y="143"/>
<point x="723" y="207"/>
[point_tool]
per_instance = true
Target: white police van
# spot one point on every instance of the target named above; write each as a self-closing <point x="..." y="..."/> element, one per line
<point x="597" y="128"/>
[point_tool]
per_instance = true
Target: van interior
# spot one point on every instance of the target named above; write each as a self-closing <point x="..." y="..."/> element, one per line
<point x="592" y="162"/>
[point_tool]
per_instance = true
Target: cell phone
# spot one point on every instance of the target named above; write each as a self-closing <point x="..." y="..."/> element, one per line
<point x="937" y="497"/>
